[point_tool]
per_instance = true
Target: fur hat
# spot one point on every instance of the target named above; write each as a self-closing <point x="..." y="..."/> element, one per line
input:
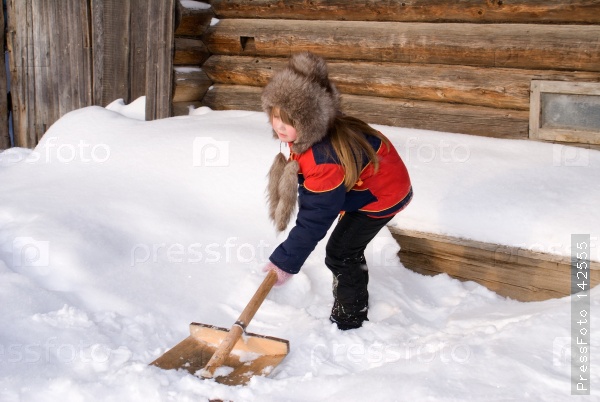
<point x="303" y="90"/>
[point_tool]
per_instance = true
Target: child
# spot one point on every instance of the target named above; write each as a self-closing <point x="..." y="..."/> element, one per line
<point x="337" y="165"/>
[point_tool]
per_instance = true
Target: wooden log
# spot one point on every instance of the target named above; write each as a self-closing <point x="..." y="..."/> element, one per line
<point x="190" y="84"/>
<point x="159" y="72"/>
<point x="242" y="70"/>
<point x="80" y="58"/>
<point x="558" y="47"/>
<point x="233" y="97"/>
<point x="97" y="44"/>
<point x="523" y="11"/>
<point x="190" y="52"/>
<point x="438" y="116"/>
<point x="501" y="88"/>
<point x="138" y="49"/>
<point x="46" y="91"/>
<point x="4" y="133"/>
<point x="116" y="47"/>
<point x="192" y="21"/>
<point x="514" y="272"/>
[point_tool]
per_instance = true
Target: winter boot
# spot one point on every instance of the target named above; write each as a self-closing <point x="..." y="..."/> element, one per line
<point x="351" y="298"/>
<point x="348" y="318"/>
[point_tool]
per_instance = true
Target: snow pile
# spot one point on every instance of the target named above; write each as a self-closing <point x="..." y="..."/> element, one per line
<point x="116" y="233"/>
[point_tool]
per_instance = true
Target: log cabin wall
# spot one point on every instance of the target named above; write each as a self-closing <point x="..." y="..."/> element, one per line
<point x="190" y="81"/>
<point x="463" y="67"/>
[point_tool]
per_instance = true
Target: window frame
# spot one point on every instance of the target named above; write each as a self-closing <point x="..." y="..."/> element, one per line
<point x="538" y="87"/>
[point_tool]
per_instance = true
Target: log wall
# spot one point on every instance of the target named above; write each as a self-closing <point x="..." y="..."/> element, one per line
<point x="462" y="67"/>
<point x="190" y="81"/>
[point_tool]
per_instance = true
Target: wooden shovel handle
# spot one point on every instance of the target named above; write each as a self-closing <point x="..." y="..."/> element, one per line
<point x="239" y="327"/>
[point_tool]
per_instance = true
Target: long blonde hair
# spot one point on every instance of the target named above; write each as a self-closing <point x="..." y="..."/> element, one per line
<point x="347" y="137"/>
<point x="349" y="143"/>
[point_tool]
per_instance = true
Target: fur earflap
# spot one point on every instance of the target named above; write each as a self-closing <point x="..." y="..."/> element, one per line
<point x="282" y="191"/>
<point x="275" y="173"/>
<point x="288" y="195"/>
<point x="303" y="90"/>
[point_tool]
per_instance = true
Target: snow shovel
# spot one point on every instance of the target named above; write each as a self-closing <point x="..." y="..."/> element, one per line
<point x="227" y="356"/>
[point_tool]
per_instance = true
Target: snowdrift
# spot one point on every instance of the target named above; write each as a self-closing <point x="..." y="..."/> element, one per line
<point x="116" y="233"/>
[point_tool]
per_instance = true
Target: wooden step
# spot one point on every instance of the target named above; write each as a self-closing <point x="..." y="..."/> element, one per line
<point x="513" y="272"/>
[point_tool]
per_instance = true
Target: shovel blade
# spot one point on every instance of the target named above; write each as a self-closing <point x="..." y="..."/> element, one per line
<point x="252" y="355"/>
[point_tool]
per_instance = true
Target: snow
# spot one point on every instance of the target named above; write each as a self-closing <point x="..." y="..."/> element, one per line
<point x="135" y="110"/>
<point x="194" y="5"/>
<point x="186" y="70"/>
<point x="516" y="193"/>
<point x="116" y="233"/>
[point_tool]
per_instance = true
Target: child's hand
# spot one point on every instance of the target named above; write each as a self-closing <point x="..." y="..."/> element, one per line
<point x="282" y="276"/>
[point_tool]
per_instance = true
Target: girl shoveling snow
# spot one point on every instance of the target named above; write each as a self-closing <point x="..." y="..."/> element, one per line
<point x="338" y="165"/>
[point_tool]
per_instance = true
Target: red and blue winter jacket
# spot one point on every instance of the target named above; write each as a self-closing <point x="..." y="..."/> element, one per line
<point x="322" y="196"/>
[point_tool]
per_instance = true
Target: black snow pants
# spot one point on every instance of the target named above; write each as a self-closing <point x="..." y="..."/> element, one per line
<point x="345" y="257"/>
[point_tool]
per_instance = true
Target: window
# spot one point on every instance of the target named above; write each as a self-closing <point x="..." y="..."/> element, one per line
<point x="565" y="111"/>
